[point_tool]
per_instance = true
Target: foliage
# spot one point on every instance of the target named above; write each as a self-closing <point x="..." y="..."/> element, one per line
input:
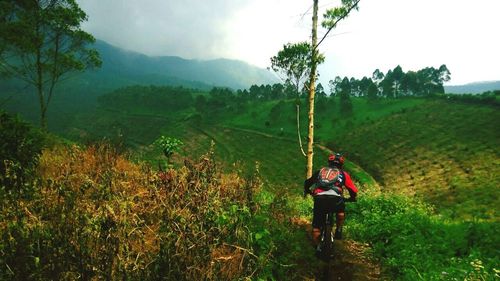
<point x="345" y="104"/>
<point x="20" y="148"/>
<point x="41" y="42"/>
<point x="416" y="244"/>
<point x="99" y="216"/>
<point x="294" y="63"/>
<point x="150" y="98"/>
<point x="333" y="16"/>
<point x="396" y="83"/>
<point x="168" y="145"/>
<point x="450" y="163"/>
<point x="487" y="98"/>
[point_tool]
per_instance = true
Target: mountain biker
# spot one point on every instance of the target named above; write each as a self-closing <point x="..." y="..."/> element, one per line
<point x="329" y="199"/>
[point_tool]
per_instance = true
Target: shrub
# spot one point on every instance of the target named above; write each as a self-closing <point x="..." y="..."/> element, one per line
<point x="99" y="216"/>
<point x="415" y="244"/>
<point x="20" y="147"/>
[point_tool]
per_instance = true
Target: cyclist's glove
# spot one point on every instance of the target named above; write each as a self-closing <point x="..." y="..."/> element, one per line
<point x="351" y="199"/>
<point x="306" y="191"/>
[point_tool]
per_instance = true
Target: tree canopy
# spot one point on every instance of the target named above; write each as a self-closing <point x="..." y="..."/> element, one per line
<point x="41" y="42"/>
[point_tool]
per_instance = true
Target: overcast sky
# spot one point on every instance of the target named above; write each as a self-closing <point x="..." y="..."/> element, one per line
<point x="463" y="34"/>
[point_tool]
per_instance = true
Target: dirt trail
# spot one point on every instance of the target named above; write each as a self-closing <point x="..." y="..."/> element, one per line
<point x="351" y="261"/>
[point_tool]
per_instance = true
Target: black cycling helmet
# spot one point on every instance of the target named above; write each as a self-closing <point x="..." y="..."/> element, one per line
<point x="336" y="159"/>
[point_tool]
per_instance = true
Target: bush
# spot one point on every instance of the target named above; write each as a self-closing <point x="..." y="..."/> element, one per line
<point x="20" y="148"/>
<point x="99" y="216"/>
<point x="415" y="244"/>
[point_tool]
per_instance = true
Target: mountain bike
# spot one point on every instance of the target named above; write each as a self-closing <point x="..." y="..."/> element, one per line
<point x="325" y="248"/>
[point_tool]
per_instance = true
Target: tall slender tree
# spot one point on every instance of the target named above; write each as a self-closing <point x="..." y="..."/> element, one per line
<point x="293" y="64"/>
<point x="331" y="18"/>
<point x="41" y="42"/>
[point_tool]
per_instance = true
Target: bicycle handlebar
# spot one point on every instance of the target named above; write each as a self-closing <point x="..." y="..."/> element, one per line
<point x="350" y="199"/>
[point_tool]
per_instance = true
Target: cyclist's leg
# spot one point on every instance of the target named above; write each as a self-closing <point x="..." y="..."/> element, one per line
<point x="340" y="218"/>
<point x="340" y="210"/>
<point x="316" y="233"/>
<point x="319" y="215"/>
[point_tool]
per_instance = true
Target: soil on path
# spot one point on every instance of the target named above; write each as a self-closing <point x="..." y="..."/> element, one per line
<point x="351" y="261"/>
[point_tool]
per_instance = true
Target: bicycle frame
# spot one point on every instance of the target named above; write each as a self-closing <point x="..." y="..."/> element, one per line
<point x="326" y="238"/>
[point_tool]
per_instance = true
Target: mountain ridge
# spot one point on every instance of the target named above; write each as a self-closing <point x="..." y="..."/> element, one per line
<point x="220" y="72"/>
<point x="477" y="87"/>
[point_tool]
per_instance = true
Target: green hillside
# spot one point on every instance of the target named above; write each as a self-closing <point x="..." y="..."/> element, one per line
<point x="443" y="152"/>
<point x="435" y="160"/>
<point x="79" y="92"/>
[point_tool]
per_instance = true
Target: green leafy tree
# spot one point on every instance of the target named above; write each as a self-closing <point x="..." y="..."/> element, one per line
<point x="335" y="86"/>
<point x="321" y="99"/>
<point x="292" y="63"/>
<point x="320" y="91"/>
<point x="168" y="146"/>
<point x="372" y="92"/>
<point x="277" y="91"/>
<point x="363" y="84"/>
<point x="397" y="76"/>
<point x="409" y="83"/>
<point x="41" y="42"/>
<point x="345" y="97"/>
<point x="20" y="148"/>
<point x="377" y="76"/>
<point x="387" y="85"/>
<point x="431" y="80"/>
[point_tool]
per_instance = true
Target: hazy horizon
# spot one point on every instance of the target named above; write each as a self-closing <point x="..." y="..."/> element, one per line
<point x="413" y="34"/>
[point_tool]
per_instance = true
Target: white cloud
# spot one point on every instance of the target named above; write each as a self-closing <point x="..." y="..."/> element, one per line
<point x="412" y="33"/>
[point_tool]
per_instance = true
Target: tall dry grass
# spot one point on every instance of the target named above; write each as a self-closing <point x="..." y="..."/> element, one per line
<point x="97" y="216"/>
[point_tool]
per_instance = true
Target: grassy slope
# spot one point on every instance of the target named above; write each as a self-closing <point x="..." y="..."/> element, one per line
<point x="446" y="153"/>
<point x="392" y="140"/>
<point x="443" y="152"/>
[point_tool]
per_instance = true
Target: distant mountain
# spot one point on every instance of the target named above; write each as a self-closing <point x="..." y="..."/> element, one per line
<point x="473" y="88"/>
<point x="121" y="68"/>
<point x="171" y="70"/>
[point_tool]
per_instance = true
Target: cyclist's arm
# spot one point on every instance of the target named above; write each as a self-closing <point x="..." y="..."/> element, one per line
<point x="309" y="182"/>
<point x="351" y="188"/>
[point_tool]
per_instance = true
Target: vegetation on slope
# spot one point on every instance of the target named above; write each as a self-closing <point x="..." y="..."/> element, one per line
<point x="89" y="213"/>
<point x="378" y="135"/>
<point x="416" y="244"/>
<point x="445" y="153"/>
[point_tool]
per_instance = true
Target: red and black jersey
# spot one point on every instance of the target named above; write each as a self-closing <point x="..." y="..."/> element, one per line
<point x="344" y="181"/>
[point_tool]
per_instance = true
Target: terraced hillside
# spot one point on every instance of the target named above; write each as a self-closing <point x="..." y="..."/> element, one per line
<point x="442" y="151"/>
<point x="446" y="153"/>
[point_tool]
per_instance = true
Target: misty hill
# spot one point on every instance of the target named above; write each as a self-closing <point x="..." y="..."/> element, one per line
<point x="171" y="70"/>
<point x="473" y="88"/>
<point x="122" y="68"/>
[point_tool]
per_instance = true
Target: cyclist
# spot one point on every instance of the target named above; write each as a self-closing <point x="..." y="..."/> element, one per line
<point x="328" y="195"/>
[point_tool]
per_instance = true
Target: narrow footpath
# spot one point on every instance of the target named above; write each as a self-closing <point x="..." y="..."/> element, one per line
<point x="351" y="261"/>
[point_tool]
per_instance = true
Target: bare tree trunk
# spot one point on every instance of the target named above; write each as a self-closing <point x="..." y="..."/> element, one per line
<point x="39" y="88"/>
<point x="298" y="130"/>
<point x="312" y="82"/>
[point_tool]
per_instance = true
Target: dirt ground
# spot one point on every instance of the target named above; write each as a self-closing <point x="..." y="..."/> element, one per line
<point x="351" y="261"/>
